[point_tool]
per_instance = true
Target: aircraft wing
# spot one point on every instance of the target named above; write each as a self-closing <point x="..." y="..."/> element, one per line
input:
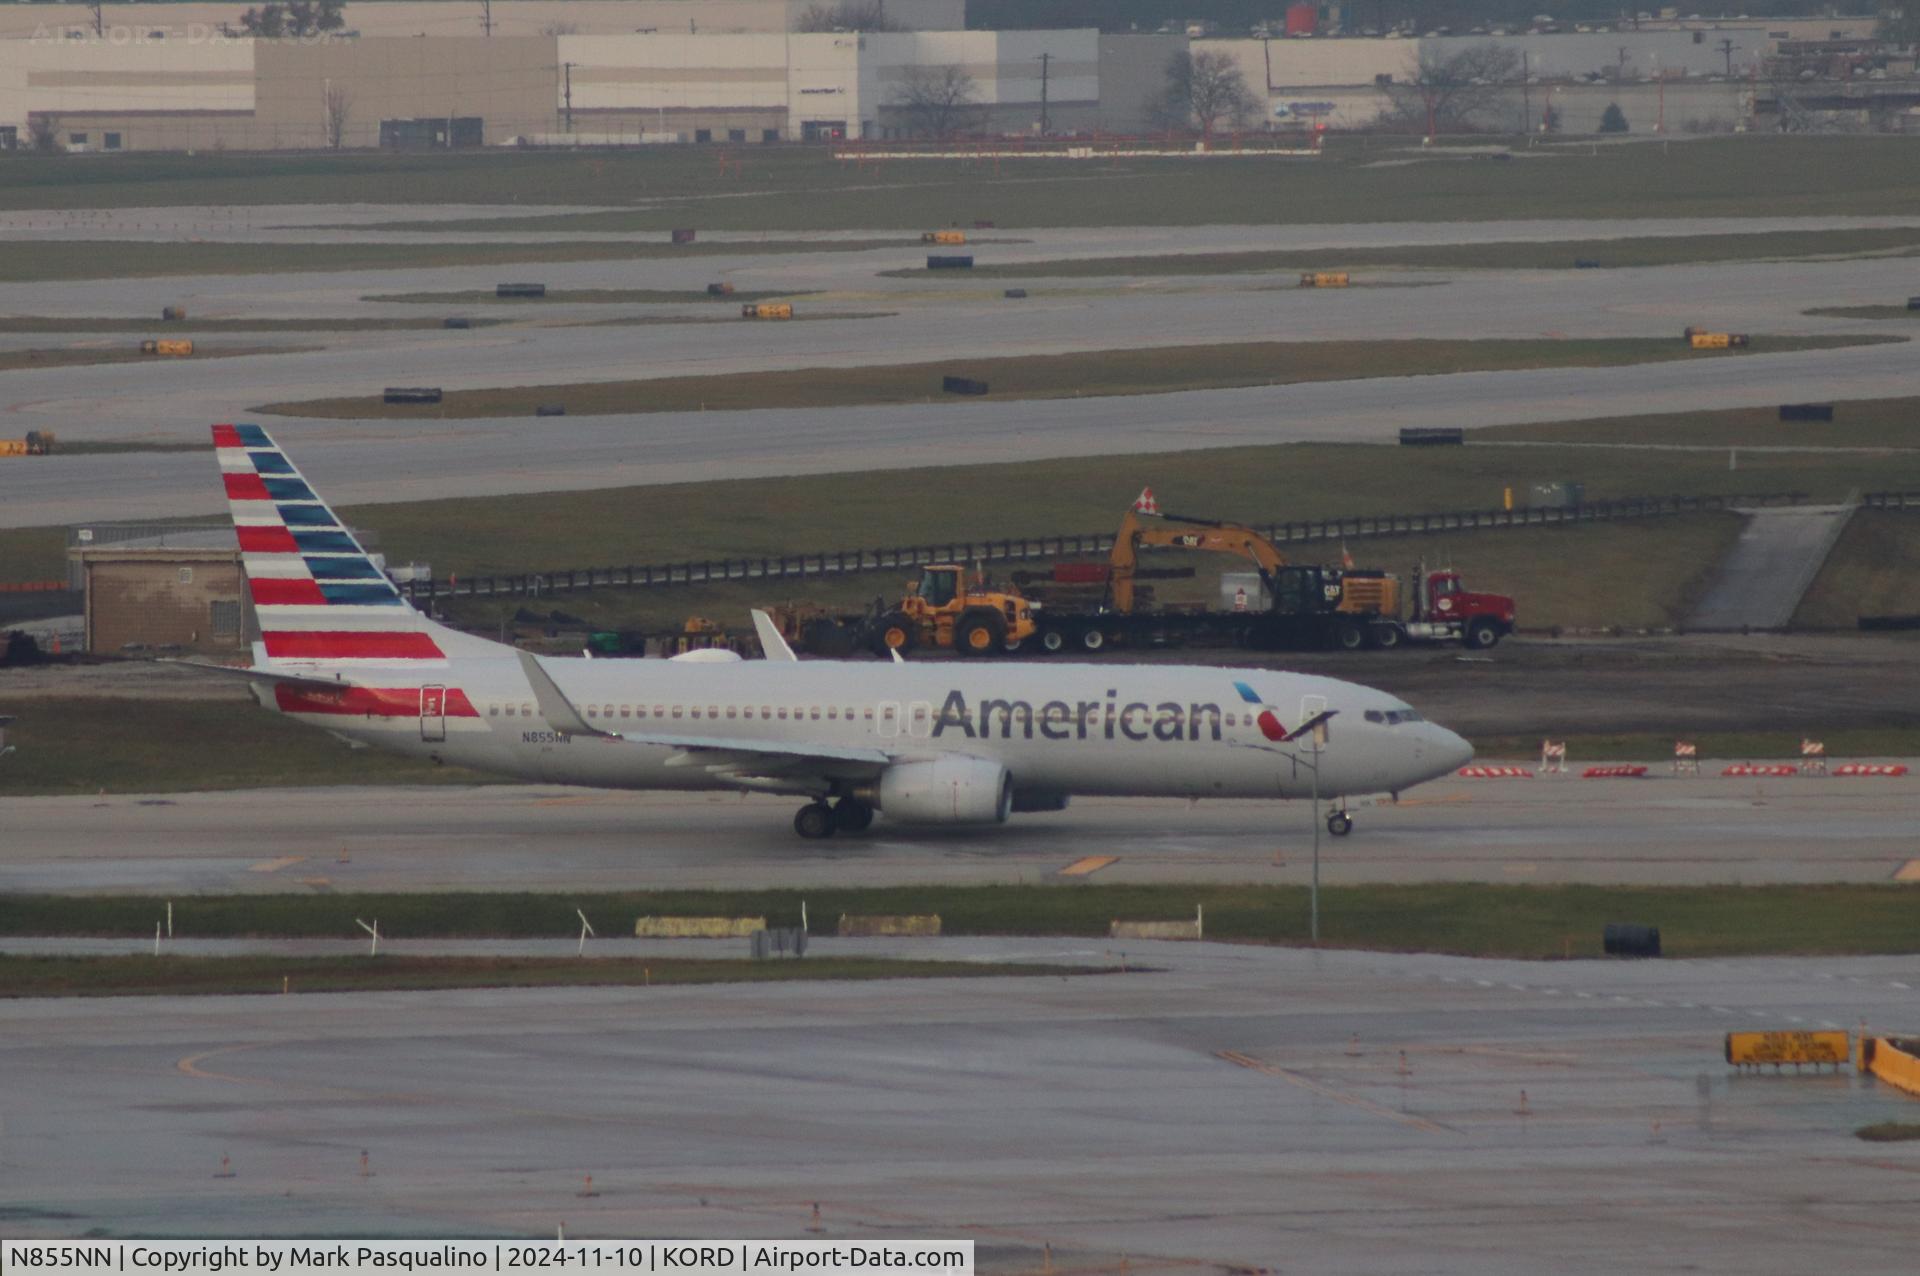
<point x="760" y="758"/>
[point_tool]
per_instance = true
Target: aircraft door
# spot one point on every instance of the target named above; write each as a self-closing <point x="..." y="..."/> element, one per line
<point x="1310" y="708"/>
<point x="433" y="713"/>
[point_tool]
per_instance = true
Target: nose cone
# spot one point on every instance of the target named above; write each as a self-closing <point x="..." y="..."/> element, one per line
<point x="1442" y="753"/>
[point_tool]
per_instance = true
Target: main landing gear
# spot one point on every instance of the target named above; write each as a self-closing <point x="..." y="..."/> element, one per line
<point x="1339" y="823"/>
<point x="818" y="819"/>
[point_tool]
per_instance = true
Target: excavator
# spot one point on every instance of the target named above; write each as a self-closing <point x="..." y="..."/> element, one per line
<point x="1312" y="606"/>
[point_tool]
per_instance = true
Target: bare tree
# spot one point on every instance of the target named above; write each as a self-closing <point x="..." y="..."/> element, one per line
<point x="1445" y="91"/>
<point x="338" y="107"/>
<point x="1203" y="90"/>
<point x="99" y="18"/>
<point x="296" y="19"/>
<point x="939" y="101"/>
<point x="486" y="18"/>
<point x="848" y="15"/>
<point x="43" y="134"/>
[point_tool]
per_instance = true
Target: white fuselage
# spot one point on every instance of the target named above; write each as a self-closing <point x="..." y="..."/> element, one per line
<point x="1058" y="729"/>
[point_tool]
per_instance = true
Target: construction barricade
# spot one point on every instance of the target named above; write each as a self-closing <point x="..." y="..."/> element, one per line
<point x="1616" y="771"/>
<point x="1813" y="757"/>
<point x="1553" y="757"/>
<point x="1496" y="773"/>
<point x="1853" y="769"/>
<point x="1686" y="758"/>
<point x="1760" y="770"/>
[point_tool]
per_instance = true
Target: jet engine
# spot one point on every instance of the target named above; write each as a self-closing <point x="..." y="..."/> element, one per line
<point x="948" y="790"/>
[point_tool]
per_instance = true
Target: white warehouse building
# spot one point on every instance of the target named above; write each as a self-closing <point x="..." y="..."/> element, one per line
<point x="830" y="85"/>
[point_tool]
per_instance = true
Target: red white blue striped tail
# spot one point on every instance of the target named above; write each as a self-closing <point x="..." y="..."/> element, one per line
<point x="319" y="597"/>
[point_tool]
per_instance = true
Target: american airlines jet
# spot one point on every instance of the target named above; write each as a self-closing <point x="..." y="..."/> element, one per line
<point x="941" y="743"/>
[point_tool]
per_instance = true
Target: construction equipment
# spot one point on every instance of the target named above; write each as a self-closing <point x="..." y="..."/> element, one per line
<point x="37" y="443"/>
<point x="943" y="237"/>
<point x="174" y="347"/>
<point x="1288" y="605"/>
<point x="767" y="310"/>
<point x="1324" y="279"/>
<point x="945" y="609"/>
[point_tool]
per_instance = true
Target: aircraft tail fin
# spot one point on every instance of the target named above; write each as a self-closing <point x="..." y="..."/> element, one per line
<point x="318" y="595"/>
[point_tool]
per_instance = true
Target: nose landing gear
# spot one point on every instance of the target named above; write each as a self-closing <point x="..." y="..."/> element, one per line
<point x="817" y="819"/>
<point x="1339" y="823"/>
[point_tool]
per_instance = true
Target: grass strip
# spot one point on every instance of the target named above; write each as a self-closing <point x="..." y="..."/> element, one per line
<point x="192" y="327"/>
<point x="1518" y="255"/>
<point x="1857" y="423"/>
<point x="1157" y="370"/>
<point x="175" y="976"/>
<point x="1531" y="922"/>
<point x="590" y="296"/>
<point x="220" y="739"/>
<point x="124" y="259"/>
<point x="1864" y="312"/>
<point x="26" y="360"/>
<point x="1356" y="179"/>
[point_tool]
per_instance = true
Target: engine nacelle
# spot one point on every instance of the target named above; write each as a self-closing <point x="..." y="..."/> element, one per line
<point x="947" y="790"/>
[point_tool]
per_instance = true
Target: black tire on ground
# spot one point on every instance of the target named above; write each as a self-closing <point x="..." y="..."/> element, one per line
<point x="1482" y="634"/>
<point x="1051" y="641"/>
<point x="979" y="633"/>
<point x="895" y="632"/>
<point x="814" y="821"/>
<point x="1093" y="639"/>
<point x="851" y="815"/>
<point x="1339" y="824"/>
<point x="1349" y="636"/>
<point x="1386" y="636"/>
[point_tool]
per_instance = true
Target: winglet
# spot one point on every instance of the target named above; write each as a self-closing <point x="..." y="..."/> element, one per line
<point x="554" y="705"/>
<point x="771" y="642"/>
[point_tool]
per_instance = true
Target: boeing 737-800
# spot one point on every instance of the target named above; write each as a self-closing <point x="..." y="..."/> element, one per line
<point x="941" y="743"/>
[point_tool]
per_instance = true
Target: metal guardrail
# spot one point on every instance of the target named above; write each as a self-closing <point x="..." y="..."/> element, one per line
<point x="1021" y="548"/>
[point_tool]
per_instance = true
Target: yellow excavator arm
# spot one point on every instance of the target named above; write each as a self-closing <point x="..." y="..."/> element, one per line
<point x="1170" y="531"/>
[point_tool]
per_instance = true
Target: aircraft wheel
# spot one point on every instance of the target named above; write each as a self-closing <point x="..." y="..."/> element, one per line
<point x="814" y="821"/>
<point x="850" y="815"/>
<point x="1339" y="823"/>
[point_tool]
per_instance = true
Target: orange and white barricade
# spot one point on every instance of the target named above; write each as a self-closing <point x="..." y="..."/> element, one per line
<point x="1686" y="758"/>
<point x="1813" y="757"/>
<point x="1553" y="757"/>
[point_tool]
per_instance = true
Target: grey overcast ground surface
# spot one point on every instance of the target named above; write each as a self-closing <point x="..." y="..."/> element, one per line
<point x="1095" y="1115"/>
<point x="1234" y="1107"/>
<point x="934" y="320"/>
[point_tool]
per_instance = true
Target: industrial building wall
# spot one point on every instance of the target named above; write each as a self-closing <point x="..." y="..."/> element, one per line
<point x="85" y="83"/>
<point x="509" y="82"/>
<point x="1008" y="70"/>
<point x="663" y="87"/>
<point x="1133" y="73"/>
<point x="191" y="21"/>
<point x="196" y="602"/>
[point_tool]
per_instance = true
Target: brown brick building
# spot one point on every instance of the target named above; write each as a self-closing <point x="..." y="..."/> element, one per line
<point x="190" y="599"/>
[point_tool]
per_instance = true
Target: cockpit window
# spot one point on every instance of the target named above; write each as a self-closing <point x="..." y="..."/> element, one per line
<point x="1393" y="717"/>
